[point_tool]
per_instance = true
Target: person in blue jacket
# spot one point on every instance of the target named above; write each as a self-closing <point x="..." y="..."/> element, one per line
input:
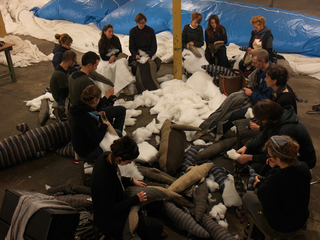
<point x="257" y="88"/>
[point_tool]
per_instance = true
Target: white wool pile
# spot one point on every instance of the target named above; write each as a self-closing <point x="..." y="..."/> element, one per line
<point x="233" y="154"/>
<point x="212" y="185"/>
<point x="210" y="199"/>
<point x="249" y="114"/>
<point x="130" y="170"/>
<point x="218" y="211"/>
<point x="148" y="153"/>
<point x="165" y="78"/>
<point x="131" y="115"/>
<point x="144" y="133"/>
<point x="199" y="142"/>
<point x="107" y="141"/>
<point x="230" y="195"/>
<point x="126" y="104"/>
<point x="233" y="129"/>
<point x="223" y="223"/>
<point x="35" y="103"/>
<point x="157" y="138"/>
<point x="23" y="53"/>
<point x="192" y="63"/>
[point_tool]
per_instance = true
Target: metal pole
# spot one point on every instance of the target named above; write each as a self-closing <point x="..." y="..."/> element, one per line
<point x="3" y="32"/>
<point x="177" y="39"/>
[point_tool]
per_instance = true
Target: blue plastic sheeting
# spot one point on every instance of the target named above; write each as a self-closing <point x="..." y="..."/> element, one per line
<point x="292" y="32"/>
<point x="78" y="11"/>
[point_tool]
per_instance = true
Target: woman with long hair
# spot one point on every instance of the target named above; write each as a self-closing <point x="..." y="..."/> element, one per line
<point x="109" y="44"/>
<point x="216" y="38"/>
<point x="280" y="202"/>
<point x="111" y="205"/>
<point x="114" y="65"/>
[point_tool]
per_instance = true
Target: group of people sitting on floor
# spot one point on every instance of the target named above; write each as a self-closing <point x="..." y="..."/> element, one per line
<point x="283" y="152"/>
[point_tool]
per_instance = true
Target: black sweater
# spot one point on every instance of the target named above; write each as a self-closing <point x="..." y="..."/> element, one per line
<point x="110" y="203"/>
<point x="285" y="195"/>
<point x="143" y="39"/>
<point x="86" y="131"/>
<point x="288" y="124"/>
<point x="192" y="35"/>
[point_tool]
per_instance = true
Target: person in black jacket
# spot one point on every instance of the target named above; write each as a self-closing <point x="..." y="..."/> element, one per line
<point x="280" y="205"/>
<point x="276" y="121"/>
<point x="216" y="38"/>
<point x="277" y="78"/>
<point x="109" y="44"/>
<point x="192" y="34"/>
<point x="111" y="205"/>
<point x="87" y="125"/>
<point x="142" y="37"/>
<point x="64" y="45"/>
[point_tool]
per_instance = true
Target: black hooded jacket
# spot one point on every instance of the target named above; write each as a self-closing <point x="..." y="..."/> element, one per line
<point x="288" y="124"/>
<point x="87" y="131"/>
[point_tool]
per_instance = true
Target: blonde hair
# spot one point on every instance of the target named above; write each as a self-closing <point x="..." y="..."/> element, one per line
<point x="63" y="38"/>
<point x="196" y="16"/>
<point x="259" y="20"/>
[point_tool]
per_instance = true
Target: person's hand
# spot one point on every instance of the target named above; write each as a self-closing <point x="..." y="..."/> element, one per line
<point x="142" y="196"/>
<point x="139" y="183"/>
<point x="270" y="163"/>
<point x="104" y="118"/>
<point x="242" y="150"/>
<point x="251" y="50"/>
<point x="191" y="43"/>
<point x="244" y="158"/>
<point x="137" y="57"/>
<point x="247" y="91"/>
<point x="149" y="59"/>
<point x="111" y="60"/>
<point x="109" y="92"/>
<point x="217" y="42"/>
<point x="256" y="181"/>
<point x="254" y="126"/>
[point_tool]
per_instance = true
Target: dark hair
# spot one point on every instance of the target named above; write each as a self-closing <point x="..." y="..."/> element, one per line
<point x="261" y="54"/>
<point x="63" y="38"/>
<point x="89" y="93"/>
<point x="104" y="41"/>
<point x="267" y="110"/>
<point x="279" y="73"/>
<point x="209" y="29"/>
<point x="196" y="16"/>
<point x="89" y="57"/>
<point x="124" y="147"/>
<point x="139" y="17"/>
<point x="68" y="55"/>
<point x="290" y="149"/>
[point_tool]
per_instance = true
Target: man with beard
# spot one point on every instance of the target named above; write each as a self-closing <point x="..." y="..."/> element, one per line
<point x="276" y="121"/>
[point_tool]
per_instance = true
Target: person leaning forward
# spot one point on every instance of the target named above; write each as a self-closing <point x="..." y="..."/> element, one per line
<point x="79" y="80"/>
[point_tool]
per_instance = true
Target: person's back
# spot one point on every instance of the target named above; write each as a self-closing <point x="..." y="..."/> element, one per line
<point x="59" y="85"/>
<point x="285" y="197"/>
<point x="78" y="81"/>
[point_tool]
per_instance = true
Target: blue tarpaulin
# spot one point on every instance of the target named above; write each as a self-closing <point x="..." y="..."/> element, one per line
<point x="292" y="32"/>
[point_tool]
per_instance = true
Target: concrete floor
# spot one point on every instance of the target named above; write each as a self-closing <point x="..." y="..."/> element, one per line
<point x="55" y="170"/>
